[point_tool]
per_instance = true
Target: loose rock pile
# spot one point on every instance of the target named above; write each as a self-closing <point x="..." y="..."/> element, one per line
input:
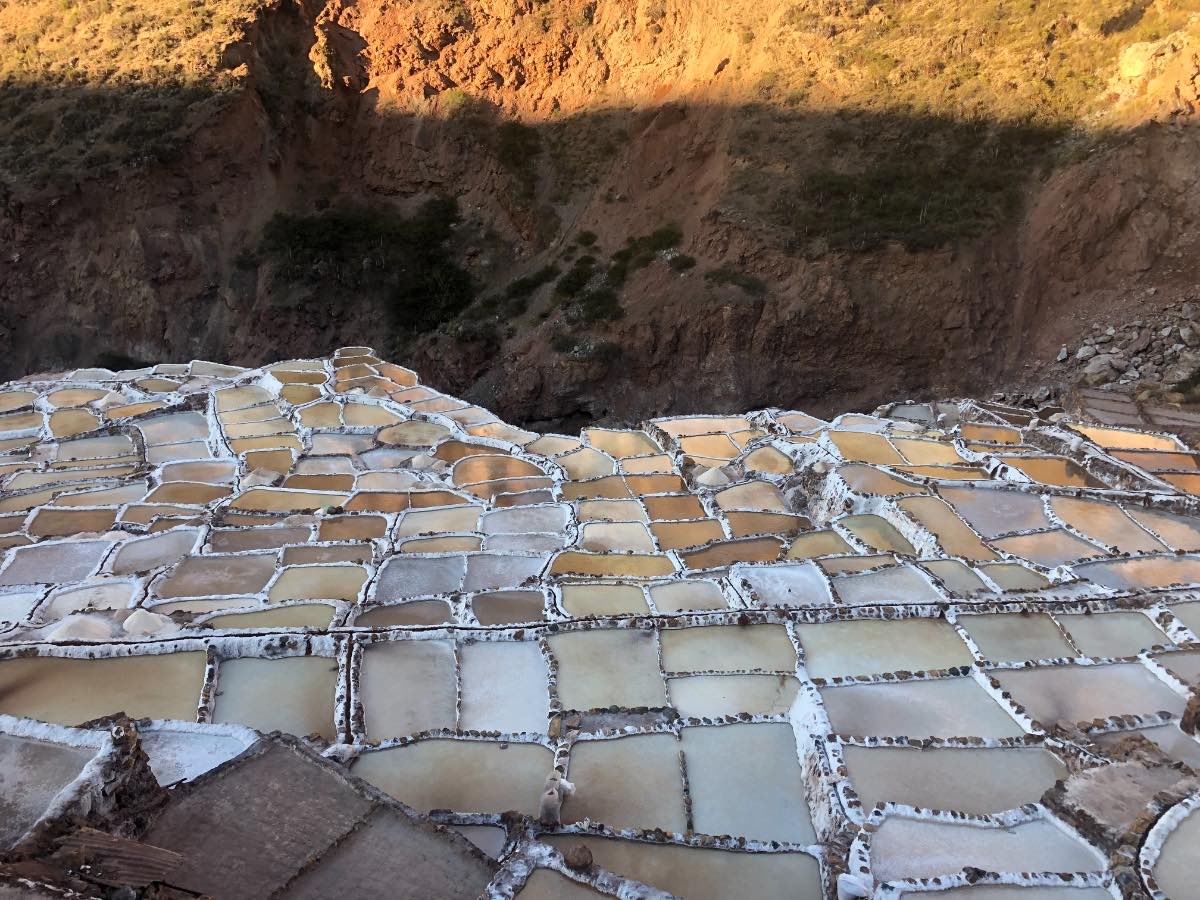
<point x="1153" y="355"/>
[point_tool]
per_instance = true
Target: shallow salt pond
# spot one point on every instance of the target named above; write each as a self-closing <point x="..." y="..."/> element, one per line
<point x="1013" y="636"/>
<point x="144" y="554"/>
<point x="727" y="695"/>
<point x="32" y="773"/>
<point x="959" y="579"/>
<point x="995" y="512"/>
<point x="1071" y="694"/>
<point x="728" y="648"/>
<point x="200" y="576"/>
<point x="965" y="780"/>
<point x="1053" y="470"/>
<point x="1112" y="634"/>
<point x="504" y="687"/>
<point x="953" y="535"/>
<point x="581" y="600"/>
<point x="54" y="563"/>
<point x="866" y="647"/>
<point x="467" y="776"/>
<point x="407" y="687"/>
<point x="546" y="884"/>
<point x="629" y="782"/>
<point x="1013" y="576"/>
<point x="1106" y="524"/>
<point x="608" y="668"/>
<point x="1146" y="572"/>
<point x="71" y="691"/>
<point x="899" y="584"/>
<point x="507" y="607"/>
<point x="300" y="615"/>
<point x="682" y="596"/>
<point x="945" y="707"/>
<point x="764" y="800"/>
<point x="877" y="533"/>
<point x="702" y="874"/>
<point x="293" y="695"/>
<point x="415" y="612"/>
<point x="910" y="848"/>
<point x="1179" y="532"/>
<point x="318" y="583"/>
<point x="1048" y="548"/>
<point x="1177" y="864"/>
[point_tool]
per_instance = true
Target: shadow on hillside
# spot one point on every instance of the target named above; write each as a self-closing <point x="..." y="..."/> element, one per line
<point x="78" y="164"/>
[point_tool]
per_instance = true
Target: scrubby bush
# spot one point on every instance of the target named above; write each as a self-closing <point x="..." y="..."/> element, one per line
<point x="639" y="252"/>
<point x="577" y="277"/>
<point x="748" y="283"/>
<point x="352" y="254"/>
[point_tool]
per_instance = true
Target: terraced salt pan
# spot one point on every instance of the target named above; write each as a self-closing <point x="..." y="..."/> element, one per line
<point x="911" y="848"/>
<point x="763" y="801"/>
<point x="200" y="576"/>
<point x="728" y="648"/>
<point x="580" y="600"/>
<point x="1014" y="892"/>
<point x="683" y="596"/>
<point x="546" y="884"/>
<point x="1105" y="524"/>
<point x="1052" y="548"/>
<point x="72" y="691"/>
<point x="630" y="782"/>
<point x="996" y="512"/>
<point x="944" y="707"/>
<point x="587" y="678"/>
<point x="433" y="506"/>
<point x="506" y="607"/>
<point x="1112" y="634"/>
<point x="885" y="587"/>
<point x="959" y="579"/>
<point x="468" y="776"/>
<point x="728" y="695"/>
<point x="1179" y="532"/>
<point x="975" y="781"/>
<point x="701" y="874"/>
<point x="877" y="533"/>
<point x="504" y="687"/>
<point x="865" y="647"/>
<point x="407" y="687"/>
<point x="1177" y="863"/>
<point x="1071" y="694"/>
<point x="1017" y="636"/>
<point x="293" y="695"/>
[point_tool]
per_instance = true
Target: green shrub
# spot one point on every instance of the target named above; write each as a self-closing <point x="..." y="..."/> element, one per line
<point x="586" y="238"/>
<point x="600" y="305"/>
<point x="561" y="342"/>
<point x="748" y="283"/>
<point x="526" y="285"/>
<point x="639" y="252"/>
<point x="681" y="262"/>
<point x="457" y="103"/>
<point x="577" y="277"/>
<point x="352" y="254"/>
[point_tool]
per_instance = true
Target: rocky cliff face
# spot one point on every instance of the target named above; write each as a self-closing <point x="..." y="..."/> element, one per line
<point x="864" y="199"/>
